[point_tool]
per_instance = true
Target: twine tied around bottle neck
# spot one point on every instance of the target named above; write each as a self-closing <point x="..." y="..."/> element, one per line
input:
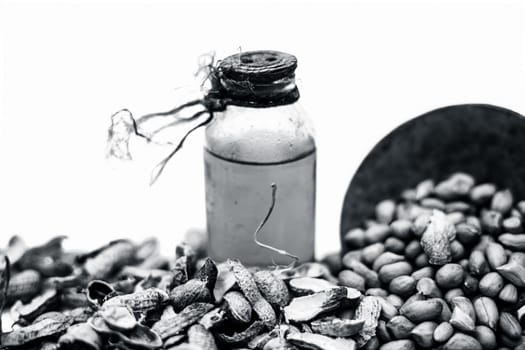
<point x="257" y="79"/>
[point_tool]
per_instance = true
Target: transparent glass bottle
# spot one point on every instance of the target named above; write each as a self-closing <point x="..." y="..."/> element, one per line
<point x="262" y="137"/>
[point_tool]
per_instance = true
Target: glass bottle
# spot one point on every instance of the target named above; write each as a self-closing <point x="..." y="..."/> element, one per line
<point x="262" y="137"/>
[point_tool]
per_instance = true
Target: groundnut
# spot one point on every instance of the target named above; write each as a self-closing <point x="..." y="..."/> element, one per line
<point x="453" y="263"/>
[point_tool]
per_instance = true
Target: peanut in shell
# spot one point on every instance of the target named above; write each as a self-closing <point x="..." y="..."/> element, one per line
<point x="180" y="271"/>
<point x="208" y="273"/>
<point x="44" y="302"/>
<point x="79" y="314"/>
<point x="195" y="290"/>
<point x="39" y="329"/>
<point x="141" y="301"/>
<point x="24" y="285"/>
<point x="176" y="324"/>
<point x="110" y="259"/>
<point x="249" y="288"/>
<point x="272" y="288"/>
<point x="238" y="307"/>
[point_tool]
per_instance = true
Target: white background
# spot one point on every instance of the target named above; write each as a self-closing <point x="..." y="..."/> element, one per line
<point x="364" y="68"/>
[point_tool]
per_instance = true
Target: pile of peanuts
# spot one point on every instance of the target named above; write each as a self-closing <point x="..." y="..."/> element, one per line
<point x="447" y="262"/>
<point x="125" y="296"/>
<point x="440" y="267"/>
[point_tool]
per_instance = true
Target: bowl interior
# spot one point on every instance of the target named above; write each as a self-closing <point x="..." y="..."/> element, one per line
<point x="483" y="140"/>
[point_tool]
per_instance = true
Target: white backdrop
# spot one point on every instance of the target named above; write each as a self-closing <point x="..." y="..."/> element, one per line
<point x="364" y="68"/>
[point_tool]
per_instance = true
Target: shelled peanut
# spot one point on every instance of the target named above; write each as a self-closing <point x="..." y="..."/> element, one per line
<point x="447" y="262"/>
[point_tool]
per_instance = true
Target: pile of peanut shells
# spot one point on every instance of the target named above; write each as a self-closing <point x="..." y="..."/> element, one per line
<point x="126" y="296"/>
<point x="447" y="262"/>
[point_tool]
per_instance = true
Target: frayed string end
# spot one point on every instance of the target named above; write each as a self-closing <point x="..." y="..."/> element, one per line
<point x="263" y="222"/>
<point x="124" y="125"/>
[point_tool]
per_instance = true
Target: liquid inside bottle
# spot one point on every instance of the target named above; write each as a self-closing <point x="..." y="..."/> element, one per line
<point x="262" y="137"/>
<point x="238" y="196"/>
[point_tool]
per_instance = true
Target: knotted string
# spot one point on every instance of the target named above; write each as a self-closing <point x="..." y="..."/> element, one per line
<point x="123" y="125"/>
<point x="223" y="91"/>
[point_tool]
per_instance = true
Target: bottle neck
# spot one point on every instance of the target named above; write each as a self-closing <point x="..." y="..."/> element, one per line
<point x="255" y="94"/>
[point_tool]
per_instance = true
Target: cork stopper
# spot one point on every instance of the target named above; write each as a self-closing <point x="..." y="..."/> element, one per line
<point x="257" y="79"/>
<point x="259" y="66"/>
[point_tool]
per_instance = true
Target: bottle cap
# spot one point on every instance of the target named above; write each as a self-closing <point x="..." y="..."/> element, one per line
<point x="259" y="66"/>
<point x="257" y="79"/>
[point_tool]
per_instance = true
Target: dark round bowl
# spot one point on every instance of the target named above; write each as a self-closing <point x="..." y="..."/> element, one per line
<point x="483" y="140"/>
